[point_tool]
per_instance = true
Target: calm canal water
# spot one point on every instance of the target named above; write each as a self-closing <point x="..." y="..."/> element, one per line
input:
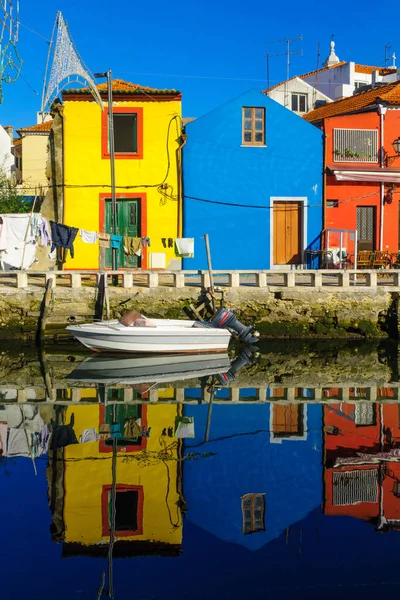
<point x="235" y="476"/>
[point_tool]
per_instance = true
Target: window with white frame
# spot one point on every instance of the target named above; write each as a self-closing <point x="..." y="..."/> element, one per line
<point x="299" y="103"/>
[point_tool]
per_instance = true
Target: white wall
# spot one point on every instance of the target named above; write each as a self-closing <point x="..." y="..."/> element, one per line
<point x="6" y="158"/>
<point x="295" y="85"/>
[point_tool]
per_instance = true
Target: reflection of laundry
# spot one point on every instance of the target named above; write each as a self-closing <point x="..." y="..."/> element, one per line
<point x="131" y="428"/>
<point x="116" y="431"/>
<point x="170" y="431"/>
<point x="88" y="435"/>
<point x="3" y="439"/>
<point x="17" y="444"/>
<point x="63" y="435"/>
<point x="185" y="247"/>
<point x="146" y="242"/>
<point x="45" y="438"/>
<point x="104" y="428"/>
<point x="184" y="427"/>
<point x="146" y="431"/>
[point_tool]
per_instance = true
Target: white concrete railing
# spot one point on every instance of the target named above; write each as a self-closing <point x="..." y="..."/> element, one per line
<point x="299" y="279"/>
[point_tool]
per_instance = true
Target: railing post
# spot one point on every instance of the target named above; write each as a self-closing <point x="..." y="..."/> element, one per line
<point x="205" y="280"/>
<point x="233" y="280"/>
<point x="316" y="279"/>
<point x="127" y="279"/>
<point x="261" y="394"/>
<point x="179" y="279"/>
<point x="372" y="279"/>
<point x="344" y="279"/>
<point x="180" y="395"/>
<point x="152" y="279"/>
<point x="290" y="280"/>
<point x="234" y="394"/>
<point x="22" y="280"/>
<point x="261" y="280"/>
<point x="76" y="280"/>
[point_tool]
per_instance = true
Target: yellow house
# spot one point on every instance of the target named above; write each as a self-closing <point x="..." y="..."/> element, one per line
<point x="147" y="132"/>
<point x="31" y="154"/>
<point x="147" y="477"/>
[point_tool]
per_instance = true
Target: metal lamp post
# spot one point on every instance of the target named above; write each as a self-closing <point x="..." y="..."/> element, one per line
<point x="111" y="147"/>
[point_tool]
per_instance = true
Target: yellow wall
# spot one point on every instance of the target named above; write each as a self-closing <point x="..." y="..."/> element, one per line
<point x="34" y="161"/>
<point x="84" y="479"/>
<point x="84" y="165"/>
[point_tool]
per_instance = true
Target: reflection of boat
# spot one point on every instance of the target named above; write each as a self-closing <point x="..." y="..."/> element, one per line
<point x="156" y="337"/>
<point x="131" y="370"/>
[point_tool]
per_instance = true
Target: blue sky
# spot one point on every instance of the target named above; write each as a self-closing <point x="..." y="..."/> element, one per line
<point x="216" y="47"/>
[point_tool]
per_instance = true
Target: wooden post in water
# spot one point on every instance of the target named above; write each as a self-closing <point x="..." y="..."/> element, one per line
<point x="44" y="311"/>
<point x="209" y="413"/>
<point x="207" y="242"/>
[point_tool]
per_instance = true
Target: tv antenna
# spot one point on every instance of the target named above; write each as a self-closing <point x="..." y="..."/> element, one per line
<point x="387" y="58"/>
<point x="288" y="53"/>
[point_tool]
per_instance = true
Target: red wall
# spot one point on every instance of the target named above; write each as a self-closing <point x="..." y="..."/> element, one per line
<point x="348" y="193"/>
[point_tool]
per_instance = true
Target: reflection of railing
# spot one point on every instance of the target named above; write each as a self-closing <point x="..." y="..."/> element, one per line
<point x="299" y="279"/>
<point x="61" y="394"/>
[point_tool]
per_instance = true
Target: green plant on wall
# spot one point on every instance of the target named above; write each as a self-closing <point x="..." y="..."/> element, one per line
<point x="12" y="198"/>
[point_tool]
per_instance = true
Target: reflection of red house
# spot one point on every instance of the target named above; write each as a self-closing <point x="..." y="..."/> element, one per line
<point x="362" y="469"/>
<point x="361" y="175"/>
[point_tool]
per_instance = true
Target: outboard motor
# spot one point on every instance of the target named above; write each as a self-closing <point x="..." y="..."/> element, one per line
<point x="245" y="357"/>
<point x="226" y="319"/>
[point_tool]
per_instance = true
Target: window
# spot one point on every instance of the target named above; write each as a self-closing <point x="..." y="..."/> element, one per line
<point x="355" y="145"/>
<point x="253" y="126"/>
<point x="128" y="510"/>
<point x="128" y="133"/>
<point x="299" y="103"/>
<point x="332" y="203"/>
<point x="253" y="510"/>
<point x="359" y="84"/>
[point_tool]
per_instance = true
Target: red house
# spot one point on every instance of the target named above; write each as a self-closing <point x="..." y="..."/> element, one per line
<point x="362" y="168"/>
<point x="362" y="462"/>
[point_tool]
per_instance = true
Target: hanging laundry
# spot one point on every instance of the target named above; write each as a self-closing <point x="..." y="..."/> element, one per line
<point x="133" y="246"/>
<point x="116" y="431"/>
<point x="131" y="429"/>
<point x="3" y="439"/>
<point x="115" y="241"/>
<point x="146" y="242"/>
<point x="184" y="427"/>
<point x="35" y="224"/>
<point x="164" y="242"/>
<point x="63" y="236"/>
<point x="45" y="438"/>
<point x="3" y="234"/>
<point x="20" y="243"/>
<point x="63" y="435"/>
<point x="89" y="237"/>
<point x="45" y="232"/>
<point x="170" y="243"/>
<point x="88" y="435"/>
<point x="104" y="240"/>
<point x="185" y="247"/>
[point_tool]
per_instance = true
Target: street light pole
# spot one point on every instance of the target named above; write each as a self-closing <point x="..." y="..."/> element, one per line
<point x="111" y="148"/>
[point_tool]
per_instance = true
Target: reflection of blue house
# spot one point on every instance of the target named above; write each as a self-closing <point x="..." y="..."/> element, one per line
<point x="253" y="182"/>
<point x="271" y="449"/>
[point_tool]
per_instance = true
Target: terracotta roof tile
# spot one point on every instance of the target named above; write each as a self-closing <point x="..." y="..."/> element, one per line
<point x="368" y="70"/>
<point x="390" y="94"/>
<point x="125" y="87"/>
<point x="17" y="141"/>
<point x="343" y="62"/>
<point x="46" y="126"/>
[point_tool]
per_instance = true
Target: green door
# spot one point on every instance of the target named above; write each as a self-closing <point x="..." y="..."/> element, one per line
<point x="128" y="224"/>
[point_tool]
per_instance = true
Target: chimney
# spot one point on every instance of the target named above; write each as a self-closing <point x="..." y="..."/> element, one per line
<point x="10" y="130"/>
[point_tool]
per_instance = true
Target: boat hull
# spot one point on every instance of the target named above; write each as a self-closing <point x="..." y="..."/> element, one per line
<point x="103" y="337"/>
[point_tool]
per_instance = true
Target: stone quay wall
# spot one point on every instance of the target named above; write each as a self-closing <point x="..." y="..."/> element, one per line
<point x="294" y="304"/>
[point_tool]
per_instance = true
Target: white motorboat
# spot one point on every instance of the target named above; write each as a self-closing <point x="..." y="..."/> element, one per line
<point x="136" y="334"/>
<point x="122" y="369"/>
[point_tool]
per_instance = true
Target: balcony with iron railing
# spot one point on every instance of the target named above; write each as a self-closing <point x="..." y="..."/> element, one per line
<point x="355" y="145"/>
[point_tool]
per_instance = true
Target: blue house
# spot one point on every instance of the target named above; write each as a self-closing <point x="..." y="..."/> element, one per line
<point x="253" y="181"/>
<point x="262" y="472"/>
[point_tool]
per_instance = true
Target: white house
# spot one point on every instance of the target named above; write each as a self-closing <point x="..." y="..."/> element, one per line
<point x="6" y="143"/>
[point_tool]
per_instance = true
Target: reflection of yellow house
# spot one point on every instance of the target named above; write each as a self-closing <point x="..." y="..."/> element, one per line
<point x="148" y="483"/>
<point x="147" y="130"/>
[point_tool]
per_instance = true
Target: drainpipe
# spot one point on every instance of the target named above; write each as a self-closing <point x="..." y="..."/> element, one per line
<point x="381" y="112"/>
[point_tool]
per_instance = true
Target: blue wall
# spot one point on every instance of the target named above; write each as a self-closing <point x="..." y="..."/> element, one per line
<point x="246" y="461"/>
<point x="217" y="168"/>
